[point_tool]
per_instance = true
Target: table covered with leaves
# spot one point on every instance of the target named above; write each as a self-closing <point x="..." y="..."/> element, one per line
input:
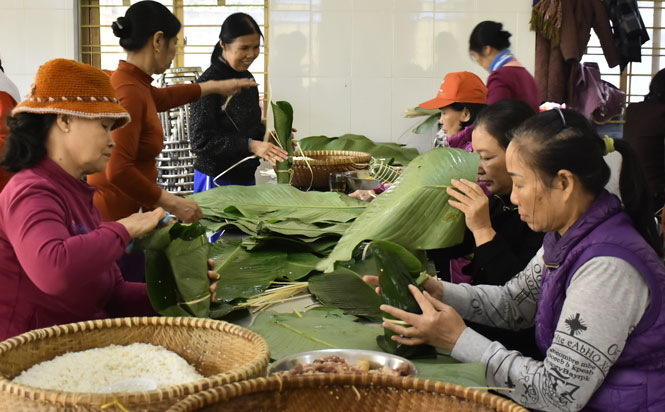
<point x="296" y="243"/>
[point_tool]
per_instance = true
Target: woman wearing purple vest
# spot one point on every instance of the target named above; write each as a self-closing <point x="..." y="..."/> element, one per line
<point x="594" y="291"/>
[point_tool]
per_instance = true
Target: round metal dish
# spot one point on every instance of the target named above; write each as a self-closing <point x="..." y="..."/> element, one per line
<point x="376" y="359"/>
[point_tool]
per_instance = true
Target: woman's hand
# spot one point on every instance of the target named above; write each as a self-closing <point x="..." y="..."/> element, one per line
<point x="139" y="224"/>
<point x="269" y="152"/>
<point x="439" y="325"/>
<point x="214" y="277"/>
<point x="474" y="203"/>
<point x="226" y="87"/>
<point x="365" y="195"/>
<point x="431" y="285"/>
<point x="186" y="210"/>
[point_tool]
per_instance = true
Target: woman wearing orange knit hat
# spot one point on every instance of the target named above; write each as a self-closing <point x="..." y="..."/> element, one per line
<point x="56" y="254"/>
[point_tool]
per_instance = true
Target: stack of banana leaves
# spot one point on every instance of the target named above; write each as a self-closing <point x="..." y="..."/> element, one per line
<point x="292" y="241"/>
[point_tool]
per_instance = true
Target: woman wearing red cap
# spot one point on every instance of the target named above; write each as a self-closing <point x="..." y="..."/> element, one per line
<point x="489" y="46"/>
<point x="57" y="257"/>
<point x="461" y="96"/>
<point x="9" y="96"/>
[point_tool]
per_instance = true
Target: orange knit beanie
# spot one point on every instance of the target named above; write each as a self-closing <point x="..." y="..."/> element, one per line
<point x="68" y="87"/>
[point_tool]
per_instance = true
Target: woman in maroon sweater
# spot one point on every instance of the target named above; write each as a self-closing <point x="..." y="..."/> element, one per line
<point x="489" y="46"/>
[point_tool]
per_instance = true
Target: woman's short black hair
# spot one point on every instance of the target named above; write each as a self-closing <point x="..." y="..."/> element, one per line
<point x="141" y="21"/>
<point x="657" y="87"/>
<point x="236" y="25"/>
<point x="501" y="118"/>
<point x="565" y="140"/>
<point x="488" y="33"/>
<point x="473" y="108"/>
<point x="26" y="142"/>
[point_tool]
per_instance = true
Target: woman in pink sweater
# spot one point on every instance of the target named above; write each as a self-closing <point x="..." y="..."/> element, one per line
<point x="57" y="257"/>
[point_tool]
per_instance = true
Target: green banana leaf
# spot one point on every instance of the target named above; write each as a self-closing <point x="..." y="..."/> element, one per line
<point x="176" y="270"/>
<point x="428" y="124"/>
<point x="244" y="274"/>
<point x="322" y="246"/>
<point x="325" y="328"/>
<point x="277" y="202"/>
<point x="358" y="143"/>
<point x="283" y="119"/>
<point x="346" y="290"/>
<point x="414" y="211"/>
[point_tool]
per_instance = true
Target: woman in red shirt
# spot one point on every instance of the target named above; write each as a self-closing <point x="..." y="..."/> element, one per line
<point x="147" y="33"/>
<point x="57" y="257"/>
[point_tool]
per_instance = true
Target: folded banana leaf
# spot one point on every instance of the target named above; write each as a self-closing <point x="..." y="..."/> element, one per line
<point x="177" y="270"/>
<point x="283" y="121"/>
<point x="414" y="211"/>
<point x="358" y="143"/>
<point x="277" y="202"/>
<point x="346" y="290"/>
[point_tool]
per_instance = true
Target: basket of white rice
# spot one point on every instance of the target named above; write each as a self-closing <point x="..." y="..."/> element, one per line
<point x="343" y="392"/>
<point x="125" y="364"/>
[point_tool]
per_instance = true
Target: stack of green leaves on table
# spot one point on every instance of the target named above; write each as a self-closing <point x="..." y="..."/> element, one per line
<point x="177" y="270"/>
<point x="400" y="155"/>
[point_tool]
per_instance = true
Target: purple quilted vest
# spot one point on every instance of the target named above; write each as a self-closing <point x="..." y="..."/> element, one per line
<point x="636" y="381"/>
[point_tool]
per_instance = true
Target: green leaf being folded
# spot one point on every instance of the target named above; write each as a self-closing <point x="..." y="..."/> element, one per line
<point x="414" y="211"/>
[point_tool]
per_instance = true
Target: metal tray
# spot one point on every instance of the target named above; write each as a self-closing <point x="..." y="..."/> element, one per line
<point x="376" y="359"/>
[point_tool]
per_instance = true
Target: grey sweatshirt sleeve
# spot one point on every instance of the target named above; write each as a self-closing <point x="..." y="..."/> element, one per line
<point x="511" y="306"/>
<point x="590" y="335"/>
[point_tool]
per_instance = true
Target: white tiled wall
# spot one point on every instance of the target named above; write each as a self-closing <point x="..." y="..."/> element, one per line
<point x="355" y="66"/>
<point x="347" y="66"/>
<point x="32" y="32"/>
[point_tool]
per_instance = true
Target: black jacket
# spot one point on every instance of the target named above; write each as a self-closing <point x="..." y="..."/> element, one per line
<point x="215" y="140"/>
<point x="496" y="262"/>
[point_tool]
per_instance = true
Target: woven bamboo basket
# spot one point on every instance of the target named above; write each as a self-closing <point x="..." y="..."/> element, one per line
<point x="316" y="172"/>
<point x="222" y="352"/>
<point x="343" y="392"/>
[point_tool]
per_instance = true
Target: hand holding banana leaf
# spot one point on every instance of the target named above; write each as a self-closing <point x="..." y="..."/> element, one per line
<point x="439" y="325"/>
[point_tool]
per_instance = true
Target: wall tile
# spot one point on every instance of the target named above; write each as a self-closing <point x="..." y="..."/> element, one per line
<point x="295" y="90"/>
<point x="332" y="5"/>
<point x="48" y="4"/>
<point x="292" y="5"/>
<point x="372" y="45"/>
<point x="371" y="108"/>
<point x="374" y="5"/>
<point x="13" y="4"/>
<point x="456" y="5"/>
<point x="51" y="39"/>
<point x="451" y="43"/>
<point x="414" y="5"/>
<point x="12" y="44"/>
<point x="413" y="45"/>
<point x="330" y="50"/>
<point x="290" y="43"/>
<point x="407" y="93"/>
<point x="330" y="106"/>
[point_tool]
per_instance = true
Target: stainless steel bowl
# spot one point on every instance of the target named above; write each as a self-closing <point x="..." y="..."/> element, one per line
<point x="361" y="180"/>
<point x="376" y="359"/>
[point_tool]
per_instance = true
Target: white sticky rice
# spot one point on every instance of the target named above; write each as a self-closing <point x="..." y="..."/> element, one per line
<point x="94" y="370"/>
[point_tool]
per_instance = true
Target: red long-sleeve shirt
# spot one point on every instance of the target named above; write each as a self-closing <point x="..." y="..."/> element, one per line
<point x="57" y="257"/>
<point x="130" y="179"/>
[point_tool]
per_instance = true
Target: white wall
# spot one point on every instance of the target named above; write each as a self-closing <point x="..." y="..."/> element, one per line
<point x="33" y="32"/>
<point x="347" y="66"/>
<point x="355" y="66"/>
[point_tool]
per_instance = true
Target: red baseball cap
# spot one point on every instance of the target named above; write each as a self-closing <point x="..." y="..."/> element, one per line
<point x="461" y="87"/>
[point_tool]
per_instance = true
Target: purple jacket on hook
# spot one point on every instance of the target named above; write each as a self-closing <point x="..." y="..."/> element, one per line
<point x="636" y="381"/>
